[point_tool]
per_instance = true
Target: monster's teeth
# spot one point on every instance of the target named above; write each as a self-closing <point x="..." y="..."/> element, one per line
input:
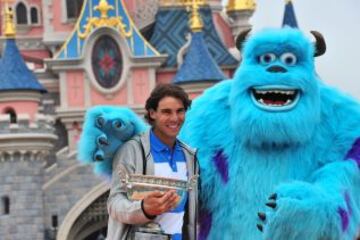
<point x="263" y="92"/>
<point x="288" y="102"/>
<point x="259" y="92"/>
<point x="261" y="101"/>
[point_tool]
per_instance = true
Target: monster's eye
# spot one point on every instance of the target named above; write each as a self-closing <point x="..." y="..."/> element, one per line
<point x="267" y="58"/>
<point x="117" y="124"/>
<point x="288" y="59"/>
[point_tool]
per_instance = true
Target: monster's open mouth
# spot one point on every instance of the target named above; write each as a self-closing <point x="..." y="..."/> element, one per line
<point x="275" y="97"/>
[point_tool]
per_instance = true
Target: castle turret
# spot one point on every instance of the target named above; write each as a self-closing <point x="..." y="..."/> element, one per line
<point x="26" y="138"/>
<point x="199" y="69"/>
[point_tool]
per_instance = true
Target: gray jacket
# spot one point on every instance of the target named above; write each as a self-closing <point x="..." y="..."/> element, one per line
<point x="122" y="212"/>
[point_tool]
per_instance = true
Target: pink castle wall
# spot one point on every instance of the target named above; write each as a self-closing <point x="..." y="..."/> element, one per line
<point x="224" y="30"/>
<point x="140" y="83"/>
<point x="21" y="107"/>
<point x="117" y="98"/>
<point x="56" y="10"/>
<point x="130" y="5"/>
<point x="164" y="77"/>
<point x="75" y="88"/>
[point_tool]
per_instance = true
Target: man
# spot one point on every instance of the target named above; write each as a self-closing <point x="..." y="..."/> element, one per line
<point x="165" y="156"/>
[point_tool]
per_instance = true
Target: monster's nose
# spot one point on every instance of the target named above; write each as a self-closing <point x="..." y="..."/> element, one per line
<point x="276" y="69"/>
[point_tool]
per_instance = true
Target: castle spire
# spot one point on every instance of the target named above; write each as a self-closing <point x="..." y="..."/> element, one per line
<point x="196" y="23"/>
<point x="9" y="28"/>
<point x="198" y="65"/>
<point x="289" y="15"/>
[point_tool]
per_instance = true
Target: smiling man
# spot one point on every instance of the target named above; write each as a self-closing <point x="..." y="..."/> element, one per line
<point x="156" y="152"/>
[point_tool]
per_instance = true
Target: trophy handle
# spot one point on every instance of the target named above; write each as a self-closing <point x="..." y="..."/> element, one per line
<point x="123" y="174"/>
<point x="192" y="182"/>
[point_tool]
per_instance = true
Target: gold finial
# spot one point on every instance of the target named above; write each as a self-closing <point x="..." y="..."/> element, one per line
<point x="104" y="21"/>
<point x="9" y="28"/>
<point x="196" y="23"/>
<point x="103" y="8"/>
<point x="240" y="5"/>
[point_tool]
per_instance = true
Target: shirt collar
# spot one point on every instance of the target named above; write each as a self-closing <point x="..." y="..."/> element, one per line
<point x="159" y="146"/>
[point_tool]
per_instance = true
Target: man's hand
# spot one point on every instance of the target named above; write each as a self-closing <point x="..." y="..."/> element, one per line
<point x="156" y="203"/>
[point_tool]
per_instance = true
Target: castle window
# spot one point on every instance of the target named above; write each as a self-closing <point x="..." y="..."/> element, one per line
<point x="54" y="221"/>
<point x="21" y="14"/>
<point x="73" y="8"/>
<point x="107" y="62"/>
<point x="34" y="15"/>
<point x="5" y="205"/>
<point x="12" y="113"/>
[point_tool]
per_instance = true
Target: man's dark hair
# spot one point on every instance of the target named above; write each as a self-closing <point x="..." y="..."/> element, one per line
<point x="165" y="90"/>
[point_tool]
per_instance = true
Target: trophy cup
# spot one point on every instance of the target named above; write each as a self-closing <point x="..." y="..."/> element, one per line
<point x="137" y="186"/>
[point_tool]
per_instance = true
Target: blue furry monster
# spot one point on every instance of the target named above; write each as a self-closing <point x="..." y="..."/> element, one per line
<point x="278" y="149"/>
<point x="105" y="129"/>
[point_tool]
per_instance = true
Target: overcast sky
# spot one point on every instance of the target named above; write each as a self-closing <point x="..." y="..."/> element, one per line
<point x="338" y="21"/>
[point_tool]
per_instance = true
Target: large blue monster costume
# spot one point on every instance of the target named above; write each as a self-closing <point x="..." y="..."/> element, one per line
<point x="279" y="151"/>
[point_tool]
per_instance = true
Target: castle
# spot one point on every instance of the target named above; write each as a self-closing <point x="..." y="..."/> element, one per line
<point x="60" y="57"/>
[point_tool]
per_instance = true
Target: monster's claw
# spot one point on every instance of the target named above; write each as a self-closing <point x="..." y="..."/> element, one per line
<point x="273" y="197"/>
<point x="271" y="204"/>
<point x="262" y="216"/>
<point x="99" y="155"/>
<point x="260" y="227"/>
<point x="102" y="140"/>
<point x="100" y="122"/>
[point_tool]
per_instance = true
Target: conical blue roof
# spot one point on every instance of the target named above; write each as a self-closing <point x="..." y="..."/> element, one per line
<point x="289" y="16"/>
<point x="198" y="64"/>
<point x="14" y="74"/>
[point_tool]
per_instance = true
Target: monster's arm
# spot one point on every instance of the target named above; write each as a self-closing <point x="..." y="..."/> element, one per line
<point x="120" y="208"/>
<point x="340" y="181"/>
<point x="327" y="204"/>
<point x="339" y="177"/>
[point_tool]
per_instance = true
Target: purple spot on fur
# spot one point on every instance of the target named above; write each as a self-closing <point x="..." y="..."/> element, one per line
<point x="344" y="219"/>
<point x="354" y="152"/>
<point x="347" y="201"/>
<point x="221" y="164"/>
<point x="205" y="223"/>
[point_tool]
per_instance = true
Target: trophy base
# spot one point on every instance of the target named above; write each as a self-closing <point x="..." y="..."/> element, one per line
<point x="150" y="231"/>
<point x="148" y="236"/>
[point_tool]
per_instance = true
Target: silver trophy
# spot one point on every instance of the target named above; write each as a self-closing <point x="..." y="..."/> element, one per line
<point x="137" y="186"/>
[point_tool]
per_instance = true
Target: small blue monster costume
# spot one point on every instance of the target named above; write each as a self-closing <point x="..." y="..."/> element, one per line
<point x="105" y="129"/>
<point x="279" y="150"/>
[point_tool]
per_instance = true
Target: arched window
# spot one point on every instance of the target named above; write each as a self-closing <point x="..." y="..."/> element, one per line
<point x="21" y="14"/>
<point x="73" y="8"/>
<point x="54" y="221"/>
<point x="12" y="113"/>
<point x="5" y="205"/>
<point x="34" y="15"/>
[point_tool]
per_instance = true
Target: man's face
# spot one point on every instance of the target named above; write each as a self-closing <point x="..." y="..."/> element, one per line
<point x="168" y="118"/>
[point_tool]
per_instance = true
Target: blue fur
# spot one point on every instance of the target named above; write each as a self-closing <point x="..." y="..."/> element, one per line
<point x="297" y="153"/>
<point x="88" y="146"/>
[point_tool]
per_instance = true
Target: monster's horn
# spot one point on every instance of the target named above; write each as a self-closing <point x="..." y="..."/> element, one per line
<point x="320" y="44"/>
<point x="240" y="38"/>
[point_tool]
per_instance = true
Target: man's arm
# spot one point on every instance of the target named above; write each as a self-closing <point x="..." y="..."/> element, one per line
<point x="120" y="208"/>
